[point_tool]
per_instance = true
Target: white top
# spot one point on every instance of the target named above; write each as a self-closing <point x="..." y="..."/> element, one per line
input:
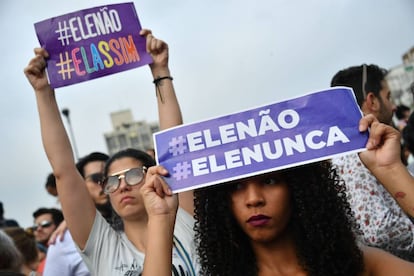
<point x="63" y="259"/>
<point x="110" y="253"/>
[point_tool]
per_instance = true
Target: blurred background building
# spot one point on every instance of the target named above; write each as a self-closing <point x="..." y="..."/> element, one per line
<point x="401" y="80"/>
<point x="128" y="133"/>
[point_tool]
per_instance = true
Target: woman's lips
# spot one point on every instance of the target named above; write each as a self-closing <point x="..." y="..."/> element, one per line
<point x="126" y="199"/>
<point x="258" y="220"/>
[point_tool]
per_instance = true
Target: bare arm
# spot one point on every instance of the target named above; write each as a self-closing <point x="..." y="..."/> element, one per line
<point x="380" y="263"/>
<point x="77" y="206"/>
<point x="383" y="159"/>
<point x="169" y="112"/>
<point x="161" y="206"/>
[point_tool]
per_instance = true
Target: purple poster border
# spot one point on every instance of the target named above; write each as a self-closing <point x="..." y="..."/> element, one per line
<point x="92" y="43"/>
<point x="306" y="129"/>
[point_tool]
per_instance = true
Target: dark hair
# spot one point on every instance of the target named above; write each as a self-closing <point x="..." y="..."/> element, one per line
<point x="25" y="242"/>
<point x="320" y="213"/>
<point x="57" y="215"/>
<point x="6" y="222"/>
<point x="10" y="256"/>
<point x="352" y="77"/>
<point x="139" y="155"/>
<point x="401" y="109"/>
<point x="50" y="181"/>
<point x="1" y="210"/>
<point x="410" y="120"/>
<point x="106" y="208"/>
<point x="408" y="137"/>
<point x="94" y="156"/>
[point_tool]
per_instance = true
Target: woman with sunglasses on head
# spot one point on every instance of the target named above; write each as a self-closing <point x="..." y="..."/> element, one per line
<point x="137" y="192"/>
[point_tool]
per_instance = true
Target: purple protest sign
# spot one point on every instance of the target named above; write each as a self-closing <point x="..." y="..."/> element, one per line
<point x="306" y="129"/>
<point x="92" y="43"/>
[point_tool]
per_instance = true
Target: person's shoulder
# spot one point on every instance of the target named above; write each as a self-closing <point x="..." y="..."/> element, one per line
<point x="410" y="168"/>
<point x="184" y="219"/>
<point x="352" y="170"/>
<point x="341" y="160"/>
<point x="184" y="226"/>
<point x="66" y="243"/>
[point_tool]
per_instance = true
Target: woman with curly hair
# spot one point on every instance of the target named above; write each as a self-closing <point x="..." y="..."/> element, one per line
<point x="295" y="221"/>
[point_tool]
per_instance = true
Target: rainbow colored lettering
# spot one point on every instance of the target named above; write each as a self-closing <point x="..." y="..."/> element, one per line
<point x="92" y="43"/>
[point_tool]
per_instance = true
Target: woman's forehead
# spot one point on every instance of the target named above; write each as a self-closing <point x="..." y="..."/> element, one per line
<point x="124" y="163"/>
<point x="259" y="177"/>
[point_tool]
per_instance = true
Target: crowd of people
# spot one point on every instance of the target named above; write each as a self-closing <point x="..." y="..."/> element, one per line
<point x="352" y="215"/>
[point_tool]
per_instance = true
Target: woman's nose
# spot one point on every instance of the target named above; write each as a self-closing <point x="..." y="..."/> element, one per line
<point x="254" y="195"/>
<point x="122" y="183"/>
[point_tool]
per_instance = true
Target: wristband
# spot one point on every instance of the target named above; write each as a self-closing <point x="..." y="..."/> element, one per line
<point x="159" y="79"/>
<point x="157" y="82"/>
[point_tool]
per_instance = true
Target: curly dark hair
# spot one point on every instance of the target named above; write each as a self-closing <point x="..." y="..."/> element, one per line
<point x="322" y="226"/>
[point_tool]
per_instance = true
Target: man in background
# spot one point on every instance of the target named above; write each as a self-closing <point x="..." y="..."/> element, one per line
<point x="46" y="220"/>
<point x="63" y="259"/>
<point x="383" y="223"/>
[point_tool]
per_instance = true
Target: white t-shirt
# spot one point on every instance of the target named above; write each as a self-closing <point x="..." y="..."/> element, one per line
<point x="108" y="252"/>
<point x="63" y="259"/>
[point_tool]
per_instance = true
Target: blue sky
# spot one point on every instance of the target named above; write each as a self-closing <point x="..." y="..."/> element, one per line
<point x="225" y="56"/>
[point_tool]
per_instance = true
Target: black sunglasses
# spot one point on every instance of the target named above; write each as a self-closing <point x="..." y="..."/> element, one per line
<point x="43" y="224"/>
<point x="95" y="177"/>
<point x="132" y="177"/>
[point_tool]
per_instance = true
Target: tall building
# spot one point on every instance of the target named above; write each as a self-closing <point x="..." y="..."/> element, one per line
<point x="128" y="133"/>
<point x="401" y="80"/>
<point x="408" y="56"/>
